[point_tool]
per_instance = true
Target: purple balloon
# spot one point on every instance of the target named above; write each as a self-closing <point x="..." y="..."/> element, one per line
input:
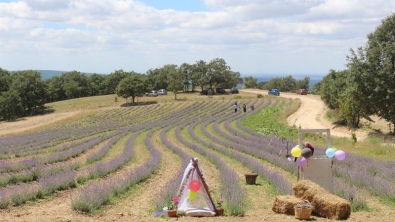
<point x="340" y="155"/>
<point x="301" y="161"/>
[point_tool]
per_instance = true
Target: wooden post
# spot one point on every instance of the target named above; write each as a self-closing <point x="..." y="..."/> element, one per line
<point x="195" y="165"/>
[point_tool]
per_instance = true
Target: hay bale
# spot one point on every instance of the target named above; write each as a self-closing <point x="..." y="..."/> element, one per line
<point x="325" y="204"/>
<point x="285" y="204"/>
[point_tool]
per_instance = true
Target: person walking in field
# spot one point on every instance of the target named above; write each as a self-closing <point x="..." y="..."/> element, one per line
<point x="244" y="107"/>
<point x="235" y="107"/>
<point x="252" y="107"/>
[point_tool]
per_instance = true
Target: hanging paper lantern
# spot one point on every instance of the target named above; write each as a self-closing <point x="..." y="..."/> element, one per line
<point x="194" y="185"/>
<point x="191" y="195"/>
<point x="296" y="151"/>
<point x="340" y="155"/>
<point x="301" y="161"/>
<point x="330" y="152"/>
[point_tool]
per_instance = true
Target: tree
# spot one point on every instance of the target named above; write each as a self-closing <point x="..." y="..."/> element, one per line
<point x="250" y="82"/>
<point x="95" y="82"/>
<point x="111" y="81"/>
<point x="157" y="79"/>
<point x="133" y="85"/>
<point x="200" y="70"/>
<point x="55" y="89"/>
<point x="187" y="76"/>
<point x="332" y="85"/>
<point x="5" y="80"/>
<point x="175" y="79"/>
<point x="216" y="73"/>
<point x="10" y="105"/>
<point x="31" y="89"/>
<point x="303" y="84"/>
<point x="231" y="79"/>
<point x="75" y="84"/>
<point x="379" y="70"/>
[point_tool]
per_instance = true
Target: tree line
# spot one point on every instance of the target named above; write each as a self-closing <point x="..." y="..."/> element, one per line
<point x="24" y="93"/>
<point x="284" y="84"/>
<point x="367" y="86"/>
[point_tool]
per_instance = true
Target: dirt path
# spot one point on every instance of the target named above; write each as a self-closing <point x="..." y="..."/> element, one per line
<point x="311" y="113"/>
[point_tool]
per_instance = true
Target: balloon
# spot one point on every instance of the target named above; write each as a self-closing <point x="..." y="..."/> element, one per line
<point x="306" y="152"/>
<point x="194" y="185"/>
<point x="301" y="161"/>
<point x="307" y="144"/>
<point x="191" y="195"/>
<point x="296" y="151"/>
<point x="289" y="159"/>
<point x="330" y="152"/>
<point x="334" y="148"/>
<point x="340" y="155"/>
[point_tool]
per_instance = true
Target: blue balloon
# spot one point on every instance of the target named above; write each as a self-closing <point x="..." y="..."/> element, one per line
<point x="330" y="152"/>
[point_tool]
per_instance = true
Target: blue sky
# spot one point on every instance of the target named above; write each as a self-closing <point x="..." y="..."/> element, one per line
<point x="255" y="37"/>
<point x="186" y="5"/>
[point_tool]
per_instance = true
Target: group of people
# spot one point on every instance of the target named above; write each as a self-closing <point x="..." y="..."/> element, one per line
<point x="237" y="107"/>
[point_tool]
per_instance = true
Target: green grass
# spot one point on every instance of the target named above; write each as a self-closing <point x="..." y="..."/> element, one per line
<point x="271" y="121"/>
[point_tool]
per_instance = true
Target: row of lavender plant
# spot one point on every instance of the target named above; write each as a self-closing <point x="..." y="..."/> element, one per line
<point x="95" y="195"/>
<point x="39" y="168"/>
<point x="49" y="183"/>
<point x="96" y="129"/>
<point x="279" y="182"/>
<point x="28" y="163"/>
<point x="54" y="136"/>
<point x="356" y="198"/>
<point x="361" y="171"/>
<point x="170" y="189"/>
<point x="103" y="168"/>
<point x="53" y="176"/>
<point x="231" y="189"/>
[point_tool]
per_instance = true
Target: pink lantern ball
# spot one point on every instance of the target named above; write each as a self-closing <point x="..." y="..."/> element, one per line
<point x="301" y="161"/>
<point x="194" y="185"/>
<point x="340" y="155"/>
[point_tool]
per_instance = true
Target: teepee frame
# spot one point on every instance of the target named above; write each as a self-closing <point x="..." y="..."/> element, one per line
<point x="201" y="177"/>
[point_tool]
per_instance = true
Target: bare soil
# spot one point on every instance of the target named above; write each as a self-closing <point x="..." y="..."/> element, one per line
<point x="137" y="205"/>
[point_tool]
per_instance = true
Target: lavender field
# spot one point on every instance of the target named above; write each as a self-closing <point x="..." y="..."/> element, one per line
<point x="102" y="166"/>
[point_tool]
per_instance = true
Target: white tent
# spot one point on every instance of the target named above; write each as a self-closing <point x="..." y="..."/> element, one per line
<point x="193" y="195"/>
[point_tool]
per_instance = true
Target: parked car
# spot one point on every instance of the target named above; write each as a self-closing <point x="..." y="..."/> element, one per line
<point x="274" y="92"/>
<point x="207" y="92"/>
<point x="234" y="90"/>
<point x="162" y="92"/>
<point x="220" y="90"/>
<point x="152" y="93"/>
<point x="301" y="91"/>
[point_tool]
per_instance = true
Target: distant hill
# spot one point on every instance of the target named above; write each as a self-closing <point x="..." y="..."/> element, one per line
<point x="47" y="74"/>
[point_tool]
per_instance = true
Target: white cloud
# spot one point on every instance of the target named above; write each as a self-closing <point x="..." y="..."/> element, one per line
<point x="116" y="31"/>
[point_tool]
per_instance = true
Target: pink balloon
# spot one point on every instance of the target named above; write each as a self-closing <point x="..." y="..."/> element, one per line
<point x="194" y="185"/>
<point x="301" y="161"/>
<point x="340" y="155"/>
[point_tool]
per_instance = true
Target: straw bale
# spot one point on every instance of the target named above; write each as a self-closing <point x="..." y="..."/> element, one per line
<point x="285" y="204"/>
<point x="325" y="204"/>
